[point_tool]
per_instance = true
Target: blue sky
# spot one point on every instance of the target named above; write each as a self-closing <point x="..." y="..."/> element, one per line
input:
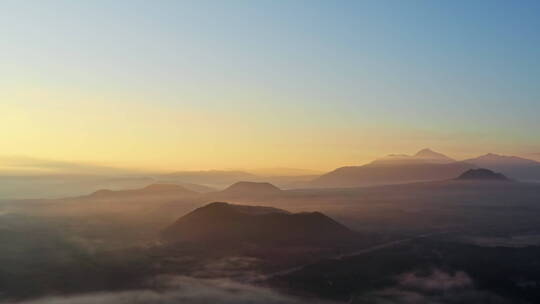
<point x="259" y="82"/>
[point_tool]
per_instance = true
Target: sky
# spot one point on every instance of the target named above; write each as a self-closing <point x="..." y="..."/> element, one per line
<point x="173" y="85"/>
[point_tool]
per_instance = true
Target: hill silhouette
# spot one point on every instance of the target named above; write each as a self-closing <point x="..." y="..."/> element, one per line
<point x="246" y="191"/>
<point x="223" y="222"/>
<point x="213" y="178"/>
<point x="512" y="166"/>
<point x="251" y="188"/>
<point x="482" y="175"/>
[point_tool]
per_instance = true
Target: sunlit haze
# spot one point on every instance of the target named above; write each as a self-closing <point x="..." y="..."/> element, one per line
<point x="269" y="151"/>
<point x="178" y="85"/>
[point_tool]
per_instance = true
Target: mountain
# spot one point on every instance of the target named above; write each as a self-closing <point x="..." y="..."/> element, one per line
<point x="150" y="190"/>
<point x="64" y="185"/>
<point x="482" y="175"/>
<point x="246" y="191"/>
<point x="422" y="156"/>
<point x="512" y="166"/>
<point x="432" y="156"/>
<point x="213" y="178"/>
<point x="148" y="206"/>
<point x="227" y="223"/>
<point x="250" y="189"/>
<point x="377" y="173"/>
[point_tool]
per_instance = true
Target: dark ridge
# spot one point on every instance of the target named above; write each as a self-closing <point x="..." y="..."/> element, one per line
<point x="227" y="223"/>
<point x="511" y="166"/>
<point x="244" y="190"/>
<point x="154" y="189"/>
<point x="376" y="174"/>
<point x="482" y="174"/>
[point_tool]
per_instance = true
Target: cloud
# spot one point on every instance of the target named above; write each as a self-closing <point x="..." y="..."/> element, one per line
<point x="183" y="290"/>
<point x="436" y="281"/>
<point x="434" y="287"/>
<point x="237" y="267"/>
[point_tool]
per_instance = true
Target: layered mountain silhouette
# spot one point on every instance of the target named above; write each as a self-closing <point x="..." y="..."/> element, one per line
<point x="287" y="178"/>
<point x="432" y="156"/>
<point x="227" y="223"/>
<point x="482" y="175"/>
<point x="214" y="178"/>
<point x="421" y="157"/>
<point x="512" y="166"/>
<point x="425" y="165"/>
<point x="150" y="190"/>
<point x="249" y="190"/>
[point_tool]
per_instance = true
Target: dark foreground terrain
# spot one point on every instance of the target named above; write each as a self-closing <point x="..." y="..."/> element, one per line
<point x="423" y="271"/>
<point x="464" y="240"/>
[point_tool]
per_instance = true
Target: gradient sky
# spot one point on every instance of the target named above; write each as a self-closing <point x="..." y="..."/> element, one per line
<point x="243" y="84"/>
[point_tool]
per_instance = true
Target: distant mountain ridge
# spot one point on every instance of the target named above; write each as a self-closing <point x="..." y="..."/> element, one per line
<point x="482" y="175"/>
<point x="423" y="156"/>
<point x="251" y="188"/>
<point x="512" y="166"/>
<point x="245" y="191"/>
<point x="284" y="177"/>
<point x="369" y="175"/>
<point x="214" y="178"/>
<point x="503" y="159"/>
<point x="150" y="190"/>
<point x="425" y="165"/>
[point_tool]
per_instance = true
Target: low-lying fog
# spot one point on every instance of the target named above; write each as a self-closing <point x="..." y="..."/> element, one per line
<point x="106" y="247"/>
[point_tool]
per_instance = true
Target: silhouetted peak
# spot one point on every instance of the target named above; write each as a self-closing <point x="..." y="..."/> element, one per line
<point x="153" y="189"/>
<point x="424" y="156"/>
<point x="223" y="207"/>
<point x="482" y="174"/>
<point x="430" y="154"/>
<point x="251" y="187"/>
<point x="217" y="205"/>
<point x="425" y="151"/>
<point x="492" y="156"/>
<point x="223" y="222"/>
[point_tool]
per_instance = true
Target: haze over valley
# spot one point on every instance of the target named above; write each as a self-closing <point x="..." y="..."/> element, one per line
<point x="282" y="240"/>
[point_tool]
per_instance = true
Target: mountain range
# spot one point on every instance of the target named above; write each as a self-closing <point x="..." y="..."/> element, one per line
<point x="247" y="190"/>
<point x="172" y="190"/>
<point x="426" y="165"/>
<point x="512" y="166"/>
